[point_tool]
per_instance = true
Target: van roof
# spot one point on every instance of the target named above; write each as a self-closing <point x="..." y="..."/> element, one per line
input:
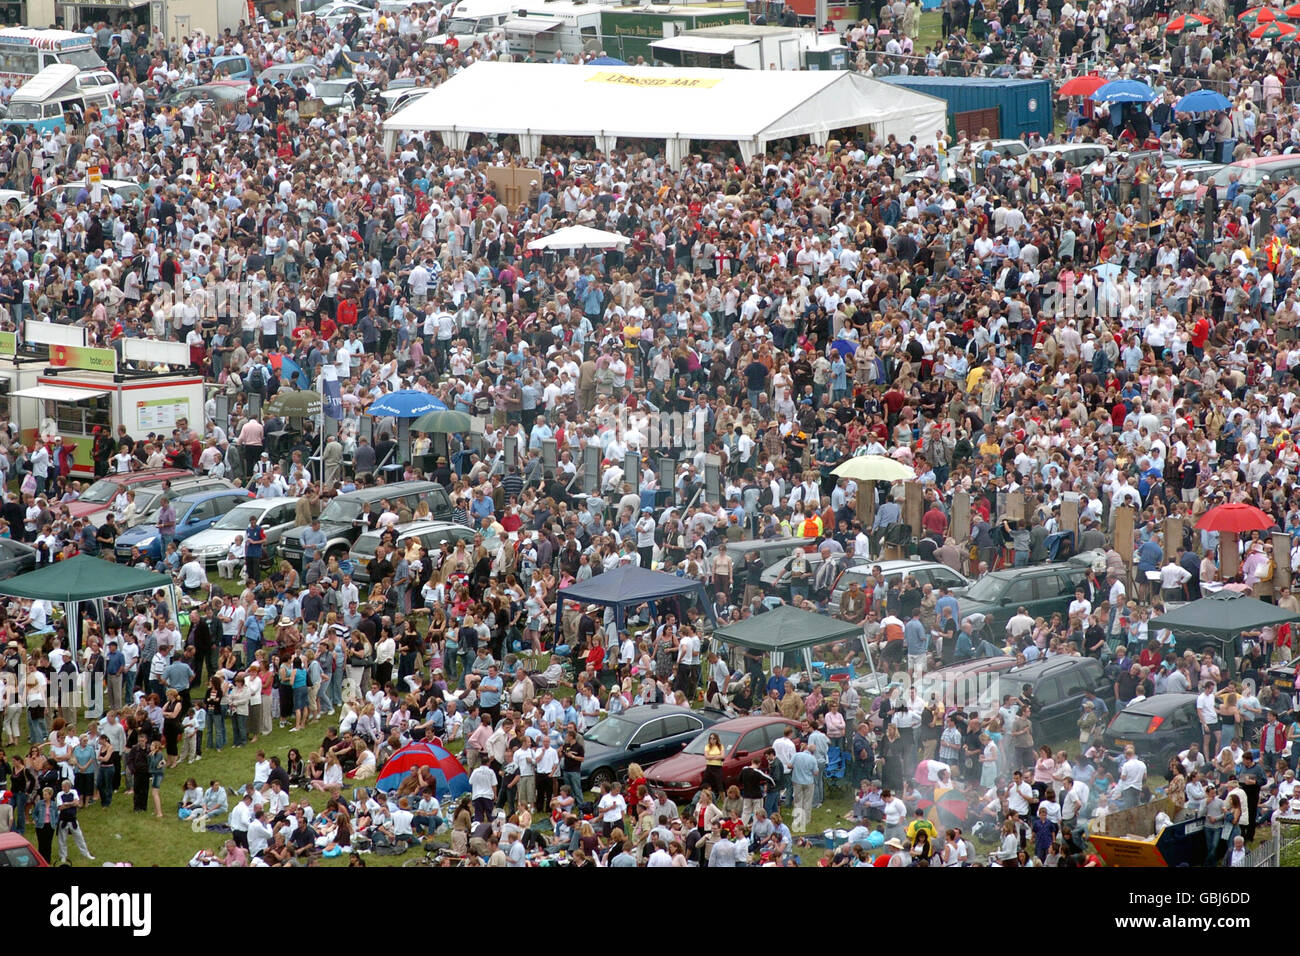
<point x="48" y="83"/>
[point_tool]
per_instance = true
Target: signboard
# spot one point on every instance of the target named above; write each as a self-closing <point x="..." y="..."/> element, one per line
<point x="1070" y="516"/>
<point x="8" y="343"/>
<point x="667" y="472"/>
<point x="75" y="356"/>
<point x="590" y="469"/>
<point x="151" y="415"/>
<point x="713" y="477"/>
<point x="549" y="457"/>
<point x="632" y="470"/>
<point x="511" y="452"/>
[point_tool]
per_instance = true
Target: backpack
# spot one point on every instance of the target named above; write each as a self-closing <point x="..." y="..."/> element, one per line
<point x="256" y="378"/>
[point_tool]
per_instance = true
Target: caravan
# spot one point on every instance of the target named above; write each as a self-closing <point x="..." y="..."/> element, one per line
<point x="25" y="51"/>
<point x="52" y="100"/>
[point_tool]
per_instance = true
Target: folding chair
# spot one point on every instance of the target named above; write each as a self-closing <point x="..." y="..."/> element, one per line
<point x="833" y="772"/>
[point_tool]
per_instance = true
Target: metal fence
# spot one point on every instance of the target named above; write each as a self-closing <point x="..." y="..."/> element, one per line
<point x="1286" y="834"/>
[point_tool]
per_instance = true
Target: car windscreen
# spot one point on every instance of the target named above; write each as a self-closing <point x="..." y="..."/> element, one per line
<point x="728" y="738"/>
<point x="341" y="509"/>
<point x="611" y="732"/>
<point x="985" y="589"/>
<point x="237" y="518"/>
<point x="102" y="491"/>
<point x="18" y="856"/>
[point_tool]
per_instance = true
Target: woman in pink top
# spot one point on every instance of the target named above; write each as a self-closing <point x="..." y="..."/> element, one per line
<point x="835" y="725"/>
<point x="1043" y="768"/>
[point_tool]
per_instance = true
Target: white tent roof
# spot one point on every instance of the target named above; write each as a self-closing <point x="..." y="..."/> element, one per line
<point x="580" y="237"/>
<point x="750" y="107"/>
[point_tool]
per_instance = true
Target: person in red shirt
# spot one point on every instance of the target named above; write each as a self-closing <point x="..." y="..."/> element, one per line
<point x="934" y="520"/>
<point x="1200" y="335"/>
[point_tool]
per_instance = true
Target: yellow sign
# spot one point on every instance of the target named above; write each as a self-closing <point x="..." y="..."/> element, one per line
<point x="8" y="343"/>
<point x="92" y="360"/>
<point x="93" y="174"/>
<point x="667" y="82"/>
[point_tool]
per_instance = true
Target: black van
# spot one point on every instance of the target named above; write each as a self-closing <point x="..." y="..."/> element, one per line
<point x="341" y="518"/>
<point x="1058" y="684"/>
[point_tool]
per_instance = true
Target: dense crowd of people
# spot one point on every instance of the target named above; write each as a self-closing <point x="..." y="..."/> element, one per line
<point x="1105" y="335"/>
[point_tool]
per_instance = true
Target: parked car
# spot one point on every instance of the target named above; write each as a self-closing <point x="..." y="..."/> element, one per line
<point x="681" y="776"/>
<point x="395" y="97"/>
<point x="338" y="94"/>
<point x="275" y="515"/>
<point x="67" y="193"/>
<point x="971" y="684"/>
<point x="431" y="534"/>
<point x="776" y="579"/>
<point x="1253" y="173"/>
<point x="15" y="851"/>
<point x="220" y="98"/>
<point x="341" y="518"/>
<point x="288" y="73"/>
<point x="1058" y="684"/>
<point x="925" y="572"/>
<point x="1041" y="589"/>
<point x="97" y="500"/>
<point x="16" y="557"/>
<point x="195" y="512"/>
<point x="641" y="735"/>
<point x="1003" y="147"/>
<point x="1074" y="154"/>
<point x="1157" y="728"/>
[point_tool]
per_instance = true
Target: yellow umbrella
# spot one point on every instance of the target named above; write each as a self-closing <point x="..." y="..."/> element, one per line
<point x="873" y="468"/>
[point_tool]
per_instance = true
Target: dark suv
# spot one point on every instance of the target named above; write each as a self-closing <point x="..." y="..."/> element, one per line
<point x="341" y="518"/>
<point x="1041" y="589"/>
<point x="1058" y="684"/>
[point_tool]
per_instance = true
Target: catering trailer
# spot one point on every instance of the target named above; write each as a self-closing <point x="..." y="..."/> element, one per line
<point x="70" y="390"/>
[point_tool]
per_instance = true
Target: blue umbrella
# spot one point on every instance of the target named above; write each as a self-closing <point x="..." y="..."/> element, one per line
<point x="404" y="404"/>
<point x="606" y="61"/>
<point x="1124" y="91"/>
<point x="1202" y="101"/>
<point x="844" y="346"/>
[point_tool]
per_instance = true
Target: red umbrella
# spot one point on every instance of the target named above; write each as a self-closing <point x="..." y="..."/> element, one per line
<point x="1293" y="11"/>
<point x="1274" y="30"/>
<point x="1188" y="21"/>
<point x="1257" y="15"/>
<point x="1081" y="86"/>
<point x="1235" y="518"/>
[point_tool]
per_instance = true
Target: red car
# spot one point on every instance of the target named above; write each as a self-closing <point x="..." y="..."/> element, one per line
<point x="98" y="498"/>
<point x="17" y="852"/>
<point x="741" y="737"/>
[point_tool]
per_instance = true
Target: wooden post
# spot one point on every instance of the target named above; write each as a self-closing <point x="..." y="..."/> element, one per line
<point x="1229" y="556"/>
<point x="1173" y="536"/>
<point x="1070" y="517"/>
<point x="1125" y="533"/>
<point x="1014" y="506"/>
<point x="913" y="506"/>
<point x="865" y="500"/>
<point x="1281" y="561"/>
<point x="959" y="522"/>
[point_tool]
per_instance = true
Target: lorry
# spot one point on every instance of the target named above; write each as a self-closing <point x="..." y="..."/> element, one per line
<point x="753" y="47"/>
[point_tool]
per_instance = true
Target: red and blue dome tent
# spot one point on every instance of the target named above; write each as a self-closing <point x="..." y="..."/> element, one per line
<point x="443" y="767"/>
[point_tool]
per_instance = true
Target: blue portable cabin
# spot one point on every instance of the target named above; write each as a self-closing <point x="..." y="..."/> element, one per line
<point x="1008" y="108"/>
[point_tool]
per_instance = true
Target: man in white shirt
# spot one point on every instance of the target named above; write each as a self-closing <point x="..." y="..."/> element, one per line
<point x="259" y="832"/>
<point x="240" y="818"/>
<point x="1132" y="776"/>
<point x="895" y="811"/>
<point x="483" y="791"/>
<point x="1019" y="794"/>
<point x="1207" y="710"/>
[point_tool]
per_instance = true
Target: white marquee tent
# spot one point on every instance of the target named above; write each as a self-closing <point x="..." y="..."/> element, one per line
<point x="748" y="107"/>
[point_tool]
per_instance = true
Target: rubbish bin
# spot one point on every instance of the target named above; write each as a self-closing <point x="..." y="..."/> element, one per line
<point x="1226" y="148"/>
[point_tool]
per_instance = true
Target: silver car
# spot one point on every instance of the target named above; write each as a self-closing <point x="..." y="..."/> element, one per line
<point x="275" y="515"/>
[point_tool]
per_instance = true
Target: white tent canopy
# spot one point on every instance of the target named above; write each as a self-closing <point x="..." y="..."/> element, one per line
<point x="751" y="108"/>
<point x="580" y="237"/>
